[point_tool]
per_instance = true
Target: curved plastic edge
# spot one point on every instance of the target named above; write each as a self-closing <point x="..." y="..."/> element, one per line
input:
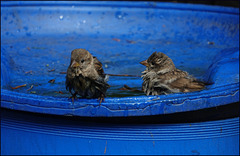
<point x="156" y="5"/>
<point x="130" y="106"/>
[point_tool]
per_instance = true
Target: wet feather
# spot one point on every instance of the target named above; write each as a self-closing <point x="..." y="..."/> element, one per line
<point x="85" y="76"/>
<point x="162" y="77"/>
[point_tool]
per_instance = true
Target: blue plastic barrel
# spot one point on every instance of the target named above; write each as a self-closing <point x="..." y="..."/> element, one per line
<point x="36" y="42"/>
<point x="24" y="133"/>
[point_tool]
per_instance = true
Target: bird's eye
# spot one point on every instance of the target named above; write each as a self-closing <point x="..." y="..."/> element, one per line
<point x="82" y="61"/>
<point x="153" y="63"/>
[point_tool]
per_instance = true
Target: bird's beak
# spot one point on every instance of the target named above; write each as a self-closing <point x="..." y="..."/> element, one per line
<point x="75" y="64"/>
<point x="144" y="63"/>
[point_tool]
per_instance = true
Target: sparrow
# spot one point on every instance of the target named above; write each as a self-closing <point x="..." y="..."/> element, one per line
<point x="162" y="77"/>
<point x="85" y="76"/>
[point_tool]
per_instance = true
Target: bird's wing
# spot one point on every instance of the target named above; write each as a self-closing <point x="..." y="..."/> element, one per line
<point x="187" y="85"/>
<point x="99" y="69"/>
<point x="102" y="79"/>
<point x="98" y="66"/>
<point x="68" y="82"/>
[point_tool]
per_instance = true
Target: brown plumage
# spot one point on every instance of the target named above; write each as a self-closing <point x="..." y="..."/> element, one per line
<point x="162" y="77"/>
<point x="85" y="76"/>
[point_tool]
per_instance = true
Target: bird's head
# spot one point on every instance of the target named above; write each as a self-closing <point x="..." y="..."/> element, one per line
<point x="81" y="59"/>
<point x="159" y="62"/>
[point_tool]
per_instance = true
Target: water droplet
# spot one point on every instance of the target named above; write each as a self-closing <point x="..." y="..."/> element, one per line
<point x="84" y="21"/>
<point x="120" y="15"/>
<point x="61" y="17"/>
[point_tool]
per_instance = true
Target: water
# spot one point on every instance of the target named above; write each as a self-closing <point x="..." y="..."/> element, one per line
<point x="36" y="60"/>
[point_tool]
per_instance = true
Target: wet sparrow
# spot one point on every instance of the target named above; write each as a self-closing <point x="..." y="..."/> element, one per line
<point x="162" y="77"/>
<point x="85" y="76"/>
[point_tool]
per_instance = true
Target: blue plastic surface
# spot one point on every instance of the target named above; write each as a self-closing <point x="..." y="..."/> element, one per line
<point x="39" y="36"/>
<point x="24" y="135"/>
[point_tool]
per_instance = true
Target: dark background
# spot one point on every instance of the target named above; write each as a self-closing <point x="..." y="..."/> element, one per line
<point x="228" y="3"/>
